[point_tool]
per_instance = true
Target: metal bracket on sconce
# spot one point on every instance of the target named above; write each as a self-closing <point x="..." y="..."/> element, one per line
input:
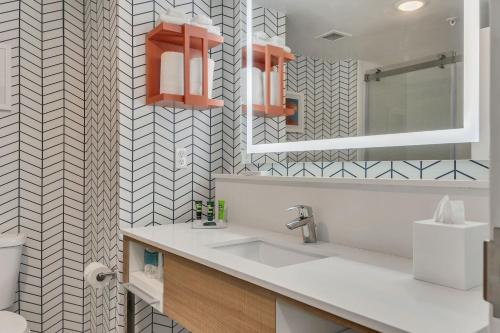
<point x="491" y="285"/>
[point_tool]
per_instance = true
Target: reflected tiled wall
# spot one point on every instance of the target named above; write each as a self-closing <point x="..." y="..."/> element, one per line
<point x="330" y="96"/>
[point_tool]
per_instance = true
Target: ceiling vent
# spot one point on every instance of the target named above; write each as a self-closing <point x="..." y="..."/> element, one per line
<point x="333" y="35"/>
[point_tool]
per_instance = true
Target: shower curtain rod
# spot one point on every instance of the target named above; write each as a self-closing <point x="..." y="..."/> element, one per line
<point x="442" y="60"/>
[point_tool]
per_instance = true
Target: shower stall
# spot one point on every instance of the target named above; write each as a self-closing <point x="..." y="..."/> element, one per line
<point x="424" y="95"/>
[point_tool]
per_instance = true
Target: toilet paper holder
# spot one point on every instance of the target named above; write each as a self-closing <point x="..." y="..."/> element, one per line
<point x="102" y="276"/>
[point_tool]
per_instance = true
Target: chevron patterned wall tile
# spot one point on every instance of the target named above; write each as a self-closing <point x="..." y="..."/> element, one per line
<point x="53" y="173"/>
<point x="164" y="166"/>
<point x="201" y="156"/>
<point x="103" y="141"/>
<point x="389" y="170"/>
<point x="455" y="170"/>
<point x="183" y="178"/>
<point x="445" y="170"/>
<point x="278" y="169"/>
<point x="231" y="116"/>
<point x="126" y="114"/>
<point x="473" y="170"/>
<point x="330" y="100"/>
<point x="74" y="173"/>
<point x="31" y="164"/>
<point x="336" y="170"/>
<point x="48" y="117"/>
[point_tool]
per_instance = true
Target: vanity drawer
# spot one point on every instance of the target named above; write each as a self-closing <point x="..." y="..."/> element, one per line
<point x="205" y="300"/>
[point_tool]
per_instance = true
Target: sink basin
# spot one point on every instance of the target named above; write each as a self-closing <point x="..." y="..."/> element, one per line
<point x="268" y="253"/>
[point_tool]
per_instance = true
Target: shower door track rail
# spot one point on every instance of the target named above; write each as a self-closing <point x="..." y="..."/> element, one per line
<point x="441" y="61"/>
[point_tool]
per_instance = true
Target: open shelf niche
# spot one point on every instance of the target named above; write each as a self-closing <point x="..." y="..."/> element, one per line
<point x="190" y="40"/>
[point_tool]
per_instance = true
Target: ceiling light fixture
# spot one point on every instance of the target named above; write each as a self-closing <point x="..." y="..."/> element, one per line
<point x="409" y="5"/>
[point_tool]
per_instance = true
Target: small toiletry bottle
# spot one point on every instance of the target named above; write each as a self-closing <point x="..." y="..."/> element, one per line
<point x="198" y="205"/>
<point x="220" y="211"/>
<point x="151" y="263"/>
<point x="210" y="211"/>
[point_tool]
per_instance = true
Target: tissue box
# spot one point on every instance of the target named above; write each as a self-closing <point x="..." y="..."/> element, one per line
<point x="449" y="255"/>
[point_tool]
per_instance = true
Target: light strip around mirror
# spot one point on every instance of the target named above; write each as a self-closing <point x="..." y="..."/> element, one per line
<point x="249" y="101"/>
<point x="469" y="133"/>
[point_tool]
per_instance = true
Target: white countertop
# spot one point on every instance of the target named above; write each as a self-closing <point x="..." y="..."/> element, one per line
<point x="375" y="290"/>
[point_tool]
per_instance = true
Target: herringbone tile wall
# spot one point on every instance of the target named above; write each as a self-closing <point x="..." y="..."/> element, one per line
<point x="42" y="158"/>
<point x="101" y="158"/>
<point x="429" y="170"/>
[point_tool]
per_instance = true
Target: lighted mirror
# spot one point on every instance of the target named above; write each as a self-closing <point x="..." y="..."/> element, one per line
<point x="336" y="77"/>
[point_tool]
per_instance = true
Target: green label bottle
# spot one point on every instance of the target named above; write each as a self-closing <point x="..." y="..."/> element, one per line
<point x="210" y="210"/>
<point x="220" y="210"/>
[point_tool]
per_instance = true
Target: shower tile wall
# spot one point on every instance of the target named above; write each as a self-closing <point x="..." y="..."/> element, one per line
<point x="42" y="158"/>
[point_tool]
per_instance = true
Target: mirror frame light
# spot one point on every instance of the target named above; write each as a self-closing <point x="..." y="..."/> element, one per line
<point x="469" y="133"/>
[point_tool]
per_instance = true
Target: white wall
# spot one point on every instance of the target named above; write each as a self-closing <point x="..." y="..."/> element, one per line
<point x="368" y="214"/>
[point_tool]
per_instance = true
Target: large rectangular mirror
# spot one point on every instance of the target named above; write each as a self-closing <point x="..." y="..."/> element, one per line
<point x="336" y="77"/>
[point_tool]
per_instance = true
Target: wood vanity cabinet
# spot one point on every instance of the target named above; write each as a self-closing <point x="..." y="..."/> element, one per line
<point x="205" y="300"/>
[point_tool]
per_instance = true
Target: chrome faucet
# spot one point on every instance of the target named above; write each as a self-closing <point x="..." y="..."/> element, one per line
<point x="306" y="221"/>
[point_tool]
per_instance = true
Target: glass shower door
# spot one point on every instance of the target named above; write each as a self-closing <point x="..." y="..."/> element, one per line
<point x="421" y="100"/>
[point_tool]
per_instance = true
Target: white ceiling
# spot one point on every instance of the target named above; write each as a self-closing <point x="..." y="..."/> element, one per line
<point x="380" y="33"/>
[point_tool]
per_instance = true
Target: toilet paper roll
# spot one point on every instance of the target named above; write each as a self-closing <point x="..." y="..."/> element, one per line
<point x="172" y="73"/>
<point x="92" y="271"/>
<point x="196" y="76"/>
<point x="257" y="86"/>
<point x="275" y="88"/>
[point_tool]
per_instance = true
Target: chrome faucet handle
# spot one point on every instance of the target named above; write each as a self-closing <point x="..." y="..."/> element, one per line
<point x="304" y="211"/>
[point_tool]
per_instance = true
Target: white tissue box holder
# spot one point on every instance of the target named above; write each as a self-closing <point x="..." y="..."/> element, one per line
<point x="448" y="254"/>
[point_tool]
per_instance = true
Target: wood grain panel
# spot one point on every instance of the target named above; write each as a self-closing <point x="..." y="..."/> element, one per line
<point x="205" y="300"/>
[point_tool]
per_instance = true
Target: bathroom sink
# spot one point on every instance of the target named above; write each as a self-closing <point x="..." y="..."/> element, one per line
<point x="268" y="253"/>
